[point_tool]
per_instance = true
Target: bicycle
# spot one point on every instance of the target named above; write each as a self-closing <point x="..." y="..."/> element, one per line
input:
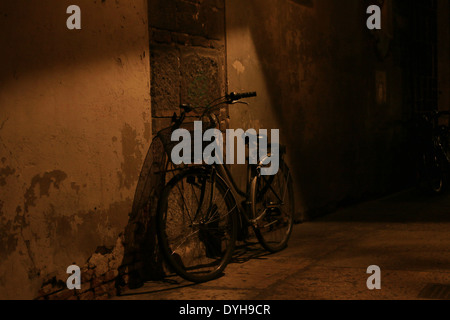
<point x="434" y="152"/>
<point x="202" y="212"/>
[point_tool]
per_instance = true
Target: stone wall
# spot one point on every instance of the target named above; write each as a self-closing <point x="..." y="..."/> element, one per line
<point x="187" y="55"/>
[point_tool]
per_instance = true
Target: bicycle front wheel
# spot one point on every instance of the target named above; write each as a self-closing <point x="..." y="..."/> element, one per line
<point x="273" y="207"/>
<point x="197" y="224"/>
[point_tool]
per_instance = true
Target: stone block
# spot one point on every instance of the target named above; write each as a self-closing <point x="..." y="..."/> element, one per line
<point x="198" y="41"/>
<point x="161" y="36"/>
<point x="162" y="14"/>
<point x="62" y="295"/>
<point x="86" y="275"/>
<point x="188" y="18"/>
<point x="165" y="75"/>
<point x="212" y="17"/>
<point x="97" y="281"/>
<point x="111" y="275"/>
<point x="181" y="38"/>
<point x="102" y="297"/>
<point x="99" y="263"/>
<point x="159" y="124"/>
<point x="106" y="288"/>
<point x="47" y="289"/>
<point x="88" y="295"/>
<point x="202" y="76"/>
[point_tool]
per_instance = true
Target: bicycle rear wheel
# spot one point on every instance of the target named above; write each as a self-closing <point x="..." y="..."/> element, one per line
<point x="273" y="202"/>
<point x="197" y="224"/>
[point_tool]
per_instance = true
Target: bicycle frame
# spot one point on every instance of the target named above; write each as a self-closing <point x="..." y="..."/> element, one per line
<point x="222" y="170"/>
<point x="209" y="211"/>
<point x="238" y="194"/>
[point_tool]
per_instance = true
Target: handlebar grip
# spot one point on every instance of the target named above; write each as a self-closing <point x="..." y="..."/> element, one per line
<point x="237" y="96"/>
<point x="248" y="94"/>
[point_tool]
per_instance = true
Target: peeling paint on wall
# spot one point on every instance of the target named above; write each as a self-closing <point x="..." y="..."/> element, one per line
<point x="132" y="157"/>
<point x="148" y="131"/>
<point x="48" y="179"/>
<point x="8" y="236"/>
<point x="5" y="173"/>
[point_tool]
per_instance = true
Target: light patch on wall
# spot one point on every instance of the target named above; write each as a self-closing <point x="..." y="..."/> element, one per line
<point x="239" y="67"/>
<point x="246" y="73"/>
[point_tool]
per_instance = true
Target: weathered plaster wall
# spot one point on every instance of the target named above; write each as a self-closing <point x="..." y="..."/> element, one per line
<point x="332" y="87"/>
<point x="75" y="124"/>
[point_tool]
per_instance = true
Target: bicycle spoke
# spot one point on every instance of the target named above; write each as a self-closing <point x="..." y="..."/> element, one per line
<point x="225" y="215"/>
<point x="224" y="197"/>
<point x="274" y="211"/>
<point x="184" y="201"/>
<point x="197" y="247"/>
<point x="184" y="240"/>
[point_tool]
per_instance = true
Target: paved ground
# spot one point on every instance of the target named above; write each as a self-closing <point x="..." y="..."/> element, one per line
<point x="407" y="235"/>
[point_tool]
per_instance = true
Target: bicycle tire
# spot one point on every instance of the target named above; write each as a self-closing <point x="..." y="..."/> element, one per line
<point x="208" y="239"/>
<point x="274" y="229"/>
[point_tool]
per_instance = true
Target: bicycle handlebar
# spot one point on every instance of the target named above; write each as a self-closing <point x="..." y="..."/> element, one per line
<point x="227" y="99"/>
<point x="234" y="96"/>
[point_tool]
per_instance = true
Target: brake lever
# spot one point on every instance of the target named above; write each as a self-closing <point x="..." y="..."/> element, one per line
<point x="242" y="102"/>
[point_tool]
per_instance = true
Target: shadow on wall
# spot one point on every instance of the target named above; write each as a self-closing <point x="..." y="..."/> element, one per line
<point x="142" y="260"/>
<point x="319" y="67"/>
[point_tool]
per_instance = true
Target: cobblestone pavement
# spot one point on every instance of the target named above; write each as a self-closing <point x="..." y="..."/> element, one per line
<point x="407" y="235"/>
